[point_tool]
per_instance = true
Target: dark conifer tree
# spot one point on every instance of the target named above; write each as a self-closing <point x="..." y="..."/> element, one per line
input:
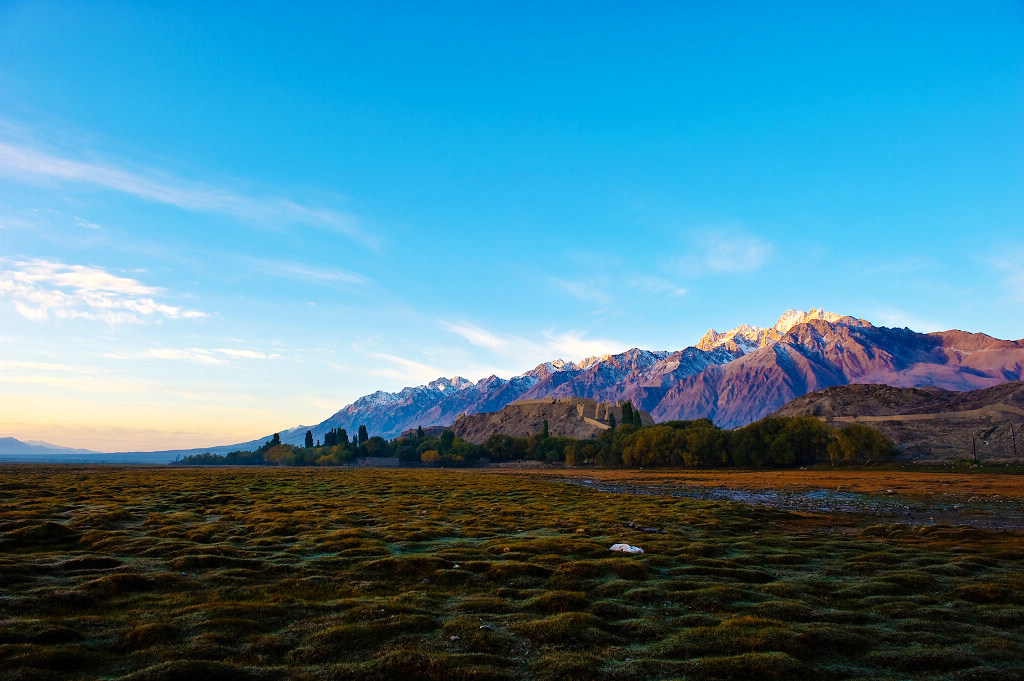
<point x="363" y="436"/>
<point x="309" y="439"/>
<point x="636" y="419"/>
<point x="611" y="421"/>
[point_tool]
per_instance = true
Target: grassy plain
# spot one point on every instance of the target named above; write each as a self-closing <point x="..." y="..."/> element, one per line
<point x="257" y="573"/>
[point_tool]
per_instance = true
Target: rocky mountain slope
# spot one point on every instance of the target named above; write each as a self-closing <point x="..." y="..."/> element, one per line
<point x="733" y="378"/>
<point x="928" y="422"/>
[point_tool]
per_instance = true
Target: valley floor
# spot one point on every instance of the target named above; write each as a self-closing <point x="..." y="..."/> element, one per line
<point x="138" y="573"/>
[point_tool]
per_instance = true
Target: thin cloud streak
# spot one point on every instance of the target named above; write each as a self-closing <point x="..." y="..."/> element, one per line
<point x="327" y="276"/>
<point x="404" y="369"/>
<point x="85" y="384"/>
<point x="587" y="291"/>
<point x="478" y="336"/>
<point x="724" y="252"/>
<point x="572" y="345"/>
<point x="7" y="364"/>
<point x="1012" y="269"/>
<point x="19" y="161"/>
<point x="200" y="355"/>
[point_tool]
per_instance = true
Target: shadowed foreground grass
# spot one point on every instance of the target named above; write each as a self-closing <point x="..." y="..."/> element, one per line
<point x="170" y="573"/>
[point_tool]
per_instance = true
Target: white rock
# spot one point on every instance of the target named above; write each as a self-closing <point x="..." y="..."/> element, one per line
<point x="626" y="548"/>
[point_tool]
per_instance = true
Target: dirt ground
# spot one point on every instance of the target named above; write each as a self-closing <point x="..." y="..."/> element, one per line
<point x="982" y="500"/>
<point x="881" y="481"/>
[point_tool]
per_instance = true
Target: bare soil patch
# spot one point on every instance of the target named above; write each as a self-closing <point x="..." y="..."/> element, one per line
<point x="985" y="500"/>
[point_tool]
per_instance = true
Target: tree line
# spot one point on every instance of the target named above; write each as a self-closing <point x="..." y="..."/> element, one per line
<point x="775" y="442"/>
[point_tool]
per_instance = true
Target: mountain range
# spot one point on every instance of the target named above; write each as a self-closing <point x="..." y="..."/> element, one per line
<point x="733" y="378"/>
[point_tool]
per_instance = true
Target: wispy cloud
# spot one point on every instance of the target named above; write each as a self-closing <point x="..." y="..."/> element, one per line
<point x="326" y="276"/>
<point x="1011" y="267"/>
<point x="897" y="318"/>
<point x="41" y="289"/>
<point x="519" y="351"/>
<point x="24" y="163"/>
<point x="655" y="286"/>
<point x="64" y="376"/>
<point x="80" y="222"/>
<point x="481" y="337"/>
<point x="724" y="252"/>
<point x="576" y="345"/>
<point x="200" y="355"/>
<point x="11" y="364"/>
<point x="587" y="290"/>
<point x="409" y="371"/>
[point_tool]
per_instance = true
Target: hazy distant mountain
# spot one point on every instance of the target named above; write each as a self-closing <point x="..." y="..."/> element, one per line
<point x="733" y="377"/>
<point x="8" y="445"/>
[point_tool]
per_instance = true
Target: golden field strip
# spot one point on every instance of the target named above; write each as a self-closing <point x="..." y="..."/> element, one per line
<point x="300" y="573"/>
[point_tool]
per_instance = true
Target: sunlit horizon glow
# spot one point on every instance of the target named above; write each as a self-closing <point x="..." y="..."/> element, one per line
<point x="215" y="225"/>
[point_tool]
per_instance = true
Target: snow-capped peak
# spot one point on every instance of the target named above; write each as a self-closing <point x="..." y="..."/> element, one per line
<point x="588" y="362"/>
<point x="450" y="385"/>
<point x="746" y="338"/>
<point x="793" y="317"/>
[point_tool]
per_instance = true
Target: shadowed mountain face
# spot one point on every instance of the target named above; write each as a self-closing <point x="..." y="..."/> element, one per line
<point x="733" y="378"/>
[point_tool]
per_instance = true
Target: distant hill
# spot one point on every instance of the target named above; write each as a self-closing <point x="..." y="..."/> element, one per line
<point x="13" y="450"/>
<point x="928" y="422"/>
<point x="9" y="445"/>
<point x="566" y="417"/>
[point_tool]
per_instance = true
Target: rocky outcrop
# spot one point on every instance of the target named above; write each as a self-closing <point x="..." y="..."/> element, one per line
<point x="566" y="417"/>
<point x="928" y="422"/>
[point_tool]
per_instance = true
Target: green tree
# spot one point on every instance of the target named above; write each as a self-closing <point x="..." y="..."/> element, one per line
<point x="544" y="430"/>
<point x="376" y="446"/>
<point x="627" y="413"/>
<point x="611" y="421"/>
<point x="363" y="435"/>
<point x="859" y="444"/>
<point x="501" y="447"/>
<point x="419" y="432"/>
<point x="447" y="438"/>
<point x="309" y="439"/>
<point x="636" y="418"/>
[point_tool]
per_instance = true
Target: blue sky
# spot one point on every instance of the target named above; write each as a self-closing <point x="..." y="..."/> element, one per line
<point x="216" y="223"/>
